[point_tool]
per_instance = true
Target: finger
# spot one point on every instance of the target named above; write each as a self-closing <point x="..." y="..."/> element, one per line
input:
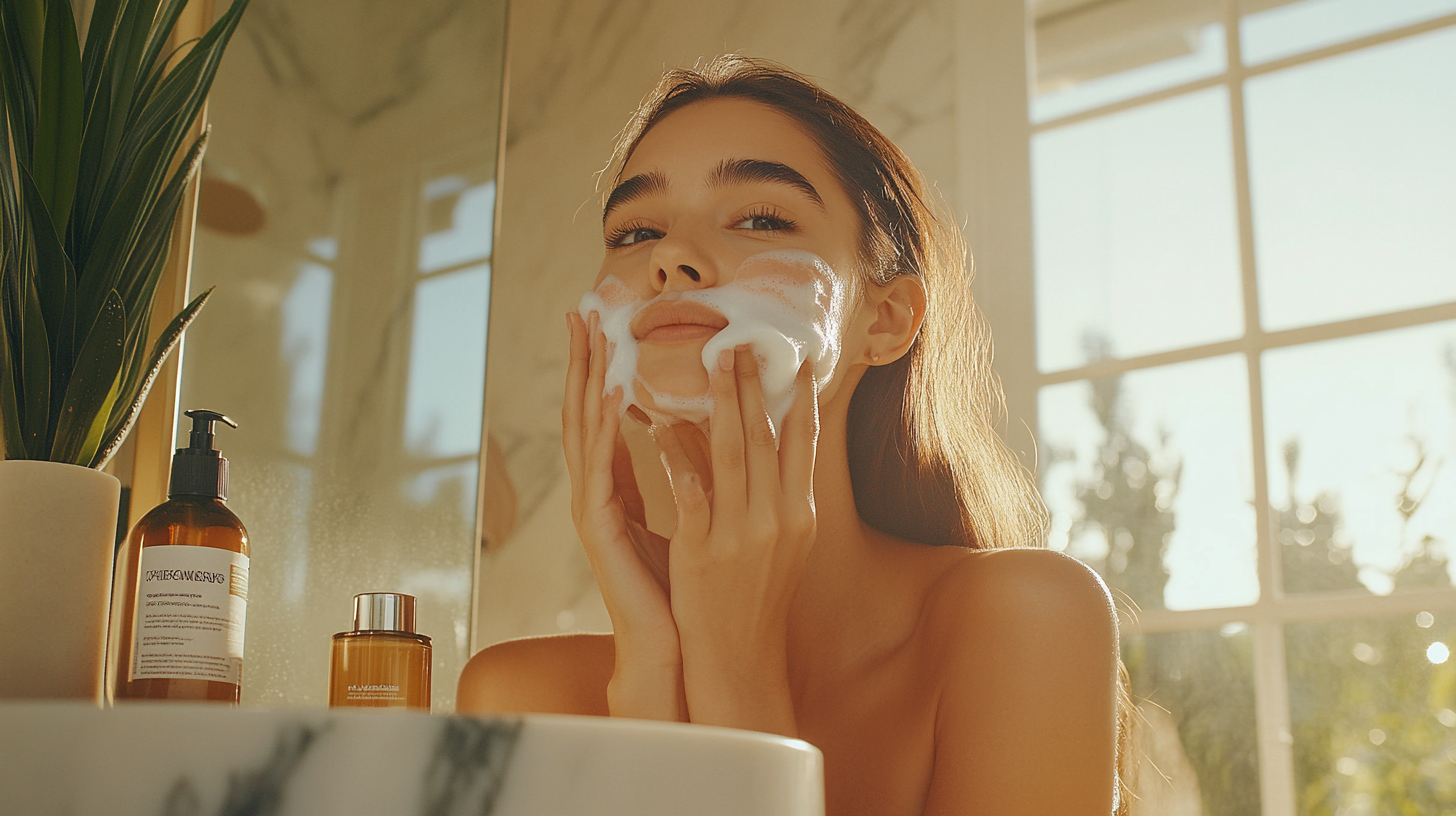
<point x="572" y="429"/>
<point x="600" y="486"/>
<point x="799" y="437"/>
<point x="624" y="479"/>
<point x="693" y="513"/>
<point x="760" y="451"/>
<point x="730" y="496"/>
<point x="639" y="415"/>
<point x="595" y="380"/>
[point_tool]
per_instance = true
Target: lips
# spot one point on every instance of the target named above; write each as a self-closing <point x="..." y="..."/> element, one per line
<point x="677" y="321"/>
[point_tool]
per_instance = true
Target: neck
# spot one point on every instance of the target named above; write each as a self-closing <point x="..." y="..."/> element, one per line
<point x="842" y="613"/>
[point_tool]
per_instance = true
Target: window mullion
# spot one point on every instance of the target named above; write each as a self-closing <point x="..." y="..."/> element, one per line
<point x="1271" y="686"/>
<point x="1271" y="715"/>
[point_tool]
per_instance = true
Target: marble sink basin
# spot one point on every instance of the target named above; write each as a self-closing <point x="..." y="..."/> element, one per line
<point x="153" y="759"/>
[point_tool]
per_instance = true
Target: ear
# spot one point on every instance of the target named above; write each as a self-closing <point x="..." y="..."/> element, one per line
<point x="899" y="308"/>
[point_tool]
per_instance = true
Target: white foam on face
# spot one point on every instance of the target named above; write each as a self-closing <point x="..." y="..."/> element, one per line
<point x="785" y="316"/>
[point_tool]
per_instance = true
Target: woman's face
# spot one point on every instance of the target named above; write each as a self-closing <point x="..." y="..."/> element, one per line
<point x="709" y="187"/>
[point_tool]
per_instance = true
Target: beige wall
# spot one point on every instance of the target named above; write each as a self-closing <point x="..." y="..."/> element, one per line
<point x="577" y="70"/>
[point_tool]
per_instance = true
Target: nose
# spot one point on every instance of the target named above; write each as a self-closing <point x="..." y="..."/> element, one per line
<point x="679" y="263"/>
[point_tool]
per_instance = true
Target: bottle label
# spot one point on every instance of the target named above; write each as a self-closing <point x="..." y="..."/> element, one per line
<point x="373" y="691"/>
<point x="191" y="603"/>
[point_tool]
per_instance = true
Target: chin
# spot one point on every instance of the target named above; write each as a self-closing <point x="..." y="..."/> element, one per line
<point x="674" y="385"/>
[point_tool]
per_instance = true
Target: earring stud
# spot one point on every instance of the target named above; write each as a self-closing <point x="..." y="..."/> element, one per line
<point x="876" y="358"/>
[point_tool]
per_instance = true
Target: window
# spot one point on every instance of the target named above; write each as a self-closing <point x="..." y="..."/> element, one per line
<point x="1245" y="299"/>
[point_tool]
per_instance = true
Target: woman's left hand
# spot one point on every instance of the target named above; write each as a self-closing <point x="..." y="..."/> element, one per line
<point x="738" y="552"/>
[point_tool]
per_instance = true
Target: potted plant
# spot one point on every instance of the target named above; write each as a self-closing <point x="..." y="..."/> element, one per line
<point x="90" y="187"/>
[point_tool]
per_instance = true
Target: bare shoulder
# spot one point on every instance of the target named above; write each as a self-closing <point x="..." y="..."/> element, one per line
<point x="1022" y="648"/>
<point x="560" y="674"/>
<point x="1018" y="599"/>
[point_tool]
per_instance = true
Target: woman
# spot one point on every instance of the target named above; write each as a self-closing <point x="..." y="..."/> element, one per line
<point x="861" y="577"/>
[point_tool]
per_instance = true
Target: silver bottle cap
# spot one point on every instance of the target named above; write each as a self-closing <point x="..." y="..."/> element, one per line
<point x="384" y="611"/>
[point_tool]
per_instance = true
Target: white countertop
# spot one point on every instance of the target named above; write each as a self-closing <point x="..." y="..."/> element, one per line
<point x="186" y="759"/>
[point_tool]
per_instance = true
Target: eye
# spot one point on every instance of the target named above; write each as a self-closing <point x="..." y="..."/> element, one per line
<point x="764" y="221"/>
<point x="630" y="234"/>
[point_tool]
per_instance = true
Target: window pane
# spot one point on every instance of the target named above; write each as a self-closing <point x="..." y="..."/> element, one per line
<point x="1353" y="176"/>
<point x="447" y="364"/>
<point x="1098" y="53"/>
<point x="1290" y="28"/>
<point x="1149" y="480"/>
<point x="1361" y="446"/>
<point x="305" y="311"/>
<point x="1136" y="237"/>
<point x="1373" y="706"/>
<point x="1195" y="692"/>
<point x="459" y="220"/>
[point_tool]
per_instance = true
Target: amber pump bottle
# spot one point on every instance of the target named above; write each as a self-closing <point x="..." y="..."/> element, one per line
<point x="383" y="662"/>
<point x="181" y="592"/>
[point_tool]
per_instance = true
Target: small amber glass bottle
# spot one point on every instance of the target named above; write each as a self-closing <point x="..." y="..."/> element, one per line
<point x="383" y="662"/>
<point x="181" y="591"/>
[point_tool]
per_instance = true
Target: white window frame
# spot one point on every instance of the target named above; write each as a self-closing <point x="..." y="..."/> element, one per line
<point x="993" y="197"/>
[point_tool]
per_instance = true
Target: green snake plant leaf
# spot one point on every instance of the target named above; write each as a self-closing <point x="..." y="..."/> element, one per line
<point x="126" y="409"/>
<point x="56" y="150"/>
<point x="154" y="59"/>
<point x="19" y="22"/>
<point x="96" y="90"/>
<point x="128" y="44"/>
<point x="143" y="266"/>
<point x="12" y="440"/>
<point x="35" y="372"/>
<point x="29" y="17"/>
<point x="117" y="233"/>
<point x="126" y="254"/>
<point x="89" y="197"/>
<point x="93" y="387"/>
<point x="167" y="113"/>
<point x="55" y="281"/>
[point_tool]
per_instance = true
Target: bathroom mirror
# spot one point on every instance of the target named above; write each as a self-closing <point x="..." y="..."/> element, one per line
<point x="346" y="216"/>
<point x="576" y="76"/>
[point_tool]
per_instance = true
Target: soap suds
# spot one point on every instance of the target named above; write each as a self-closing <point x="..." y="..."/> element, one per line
<point x="785" y="316"/>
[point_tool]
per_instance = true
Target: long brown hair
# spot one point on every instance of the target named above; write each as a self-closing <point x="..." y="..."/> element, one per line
<point x="924" y="457"/>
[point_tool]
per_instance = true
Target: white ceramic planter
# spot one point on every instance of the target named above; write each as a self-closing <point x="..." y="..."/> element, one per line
<point x="57" y="535"/>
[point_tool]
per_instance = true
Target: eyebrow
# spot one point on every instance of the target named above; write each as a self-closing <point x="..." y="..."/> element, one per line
<point x="640" y="185"/>
<point x="752" y="171"/>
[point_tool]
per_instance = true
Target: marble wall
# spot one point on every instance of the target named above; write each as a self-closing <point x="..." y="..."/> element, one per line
<point x="577" y="70"/>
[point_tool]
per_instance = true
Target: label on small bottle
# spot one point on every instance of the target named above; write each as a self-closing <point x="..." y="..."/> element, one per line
<point x="190" y="607"/>
<point x="373" y="691"/>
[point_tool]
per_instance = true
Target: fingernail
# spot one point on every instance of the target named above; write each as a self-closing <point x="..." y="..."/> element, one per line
<point x="725" y="359"/>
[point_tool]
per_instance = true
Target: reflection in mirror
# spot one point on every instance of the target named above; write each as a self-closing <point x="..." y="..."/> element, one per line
<point x="346" y="219"/>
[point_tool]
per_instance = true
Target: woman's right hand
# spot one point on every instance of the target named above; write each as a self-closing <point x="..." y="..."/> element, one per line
<point x="624" y="555"/>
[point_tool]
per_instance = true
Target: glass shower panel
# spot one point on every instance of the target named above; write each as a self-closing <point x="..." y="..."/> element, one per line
<point x="347" y="332"/>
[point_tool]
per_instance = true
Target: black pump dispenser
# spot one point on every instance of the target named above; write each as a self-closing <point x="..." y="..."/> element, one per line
<point x="198" y="469"/>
